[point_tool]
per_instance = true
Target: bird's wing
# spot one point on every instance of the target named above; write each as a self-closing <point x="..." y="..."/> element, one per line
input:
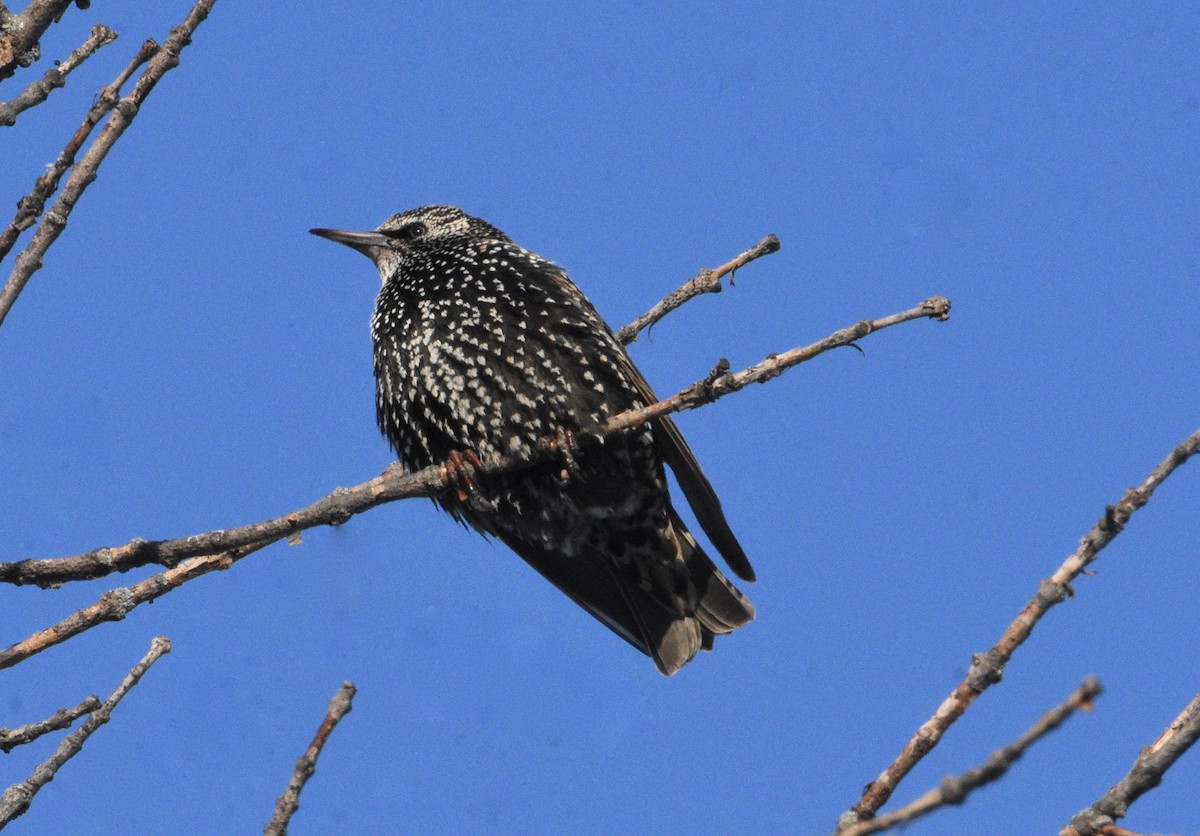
<point x="696" y="487"/>
<point x="592" y="582"/>
<point x="700" y="494"/>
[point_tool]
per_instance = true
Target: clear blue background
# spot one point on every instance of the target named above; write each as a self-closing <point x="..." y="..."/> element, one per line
<point x="190" y="358"/>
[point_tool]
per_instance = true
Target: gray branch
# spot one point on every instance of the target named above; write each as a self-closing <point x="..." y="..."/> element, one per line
<point x="30" y="207"/>
<point x="55" y="77"/>
<point x="342" y="503"/>
<point x="61" y="719"/>
<point x="191" y="557"/>
<point x="987" y="668"/>
<point x="289" y="801"/>
<point x="1145" y="775"/>
<point x="706" y="281"/>
<point x="17" y="798"/>
<point x="20" y="33"/>
<point x="954" y="789"/>
<point x="165" y="58"/>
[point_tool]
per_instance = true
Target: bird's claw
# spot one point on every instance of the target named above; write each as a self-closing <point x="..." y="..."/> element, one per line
<point x="564" y="446"/>
<point x="458" y="473"/>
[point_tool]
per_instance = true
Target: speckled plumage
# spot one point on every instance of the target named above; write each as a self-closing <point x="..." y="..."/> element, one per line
<point x="483" y="346"/>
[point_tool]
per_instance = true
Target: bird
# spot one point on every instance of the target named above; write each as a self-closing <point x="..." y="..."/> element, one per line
<point x="483" y="349"/>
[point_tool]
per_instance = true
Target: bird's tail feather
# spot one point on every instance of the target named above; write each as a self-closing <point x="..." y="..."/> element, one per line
<point x="670" y="638"/>
<point x="720" y="607"/>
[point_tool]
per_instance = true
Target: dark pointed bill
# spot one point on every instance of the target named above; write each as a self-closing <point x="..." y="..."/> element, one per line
<point x="364" y="242"/>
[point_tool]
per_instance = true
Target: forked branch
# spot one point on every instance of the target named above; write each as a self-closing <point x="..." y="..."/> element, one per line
<point x="987" y="668"/>
<point x="393" y="484"/>
<point x="954" y="789"/>
<point x="191" y="557"/>
<point x="55" y="77"/>
<point x="17" y="798"/>
<point x="164" y="59"/>
<point x="61" y="719"/>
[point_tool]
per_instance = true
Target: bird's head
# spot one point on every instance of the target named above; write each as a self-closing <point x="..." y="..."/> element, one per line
<point x="420" y="231"/>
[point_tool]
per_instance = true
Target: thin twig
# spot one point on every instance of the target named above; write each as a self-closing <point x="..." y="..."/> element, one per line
<point x="55" y="77"/>
<point x="30" y="207"/>
<point x="393" y="484"/>
<point x="954" y="789"/>
<point x="289" y="801"/>
<point x="61" y="719"/>
<point x="1145" y="775"/>
<point x="706" y="281"/>
<point x="20" y="33"/>
<point x="718" y="385"/>
<point x="115" y="604"/>
<point x="987" y="668"/>
<point x="17" y="798"/>
<point x="165" y="59"/>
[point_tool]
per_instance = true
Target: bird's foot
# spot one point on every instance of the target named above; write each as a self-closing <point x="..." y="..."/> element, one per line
<point x="564" y="446"/>
<point x="459" y="465"/>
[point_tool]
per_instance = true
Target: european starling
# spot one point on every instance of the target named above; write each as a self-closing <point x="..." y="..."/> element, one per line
<point x="481" y="349"/>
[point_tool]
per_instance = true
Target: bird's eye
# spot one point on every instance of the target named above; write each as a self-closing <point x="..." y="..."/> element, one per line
<point x="408" y="232"/>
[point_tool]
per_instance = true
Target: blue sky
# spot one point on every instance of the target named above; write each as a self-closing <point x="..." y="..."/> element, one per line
<point x="190" y="358"/>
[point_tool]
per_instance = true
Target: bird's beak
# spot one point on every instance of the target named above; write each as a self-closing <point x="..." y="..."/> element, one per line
<point x="367" y="243"/>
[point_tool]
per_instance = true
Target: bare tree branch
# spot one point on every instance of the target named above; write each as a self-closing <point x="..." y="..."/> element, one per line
<point x="115" y="604"/>
<point x="720" y="383"/>
<point x="55" y="77"/>
<point x="20" y="33"/>
<point x="61" y="719"/>
<point x="289" y="802"/>
<point x="191" y="557"/>
<point x="393" y="484"/>
<point x="987" y="668"/>
<point x="705" y="281"/>
<point x="165" y="59"/>
<point x="17" y="798"/>
<point x="31" y="206"/>
<point x="1145" y="775"/>
<point x="104" y="561"/>
<point x="954" y="789"/>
